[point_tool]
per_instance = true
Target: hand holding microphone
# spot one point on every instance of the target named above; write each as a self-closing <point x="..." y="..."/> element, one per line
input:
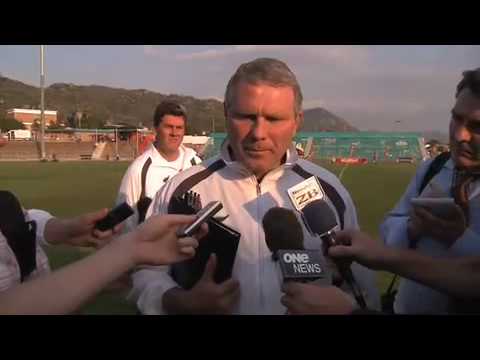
<point x="301" y="270"/>
<point x="357" y="246"/>
<point x="321" y="221"/>
<point x="308" y="198"/>
<point x="310" y="299"/>
<point x="284" y="238"/>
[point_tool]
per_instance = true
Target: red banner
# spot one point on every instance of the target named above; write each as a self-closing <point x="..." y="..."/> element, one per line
<point x="351" y="161"/>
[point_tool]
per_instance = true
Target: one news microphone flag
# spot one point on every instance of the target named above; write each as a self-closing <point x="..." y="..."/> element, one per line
<point x="301" y="265"/>
<point x="308" y="197"/>
<point x="284" y="238"/>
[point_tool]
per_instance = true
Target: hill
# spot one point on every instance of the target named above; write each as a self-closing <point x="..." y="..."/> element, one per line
<point x="319" y="119"/>
<point x="95" y="105"/>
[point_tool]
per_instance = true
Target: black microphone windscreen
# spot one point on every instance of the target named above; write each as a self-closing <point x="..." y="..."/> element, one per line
<point x="20" y="234"/>
<point x="188" y="203"/>
<point x="282" y="230"/>
<point x="319" y="217"/>
<point x="12" y="213"/>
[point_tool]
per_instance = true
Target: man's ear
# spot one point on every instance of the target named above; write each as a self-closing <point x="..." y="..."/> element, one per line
<point x="225" y="113"/>
<point x="299" y="121"/>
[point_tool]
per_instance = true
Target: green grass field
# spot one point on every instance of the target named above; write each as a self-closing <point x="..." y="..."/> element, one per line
<point x="71" y="188"/>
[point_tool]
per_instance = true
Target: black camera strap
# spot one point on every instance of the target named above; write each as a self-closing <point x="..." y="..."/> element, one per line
<point x="20" y="234"/>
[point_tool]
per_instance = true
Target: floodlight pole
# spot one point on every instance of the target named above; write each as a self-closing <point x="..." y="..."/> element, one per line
<point x="42" y="102"/>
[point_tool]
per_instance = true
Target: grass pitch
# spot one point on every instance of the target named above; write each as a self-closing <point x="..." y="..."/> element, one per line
<point x="72" y="188"/>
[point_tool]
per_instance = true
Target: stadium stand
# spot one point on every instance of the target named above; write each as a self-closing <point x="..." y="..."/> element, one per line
<point x="68" y="150"/>
<point x="126" y="151"/>
<point x="19" y="150"/>
<point x="373" y="146"/>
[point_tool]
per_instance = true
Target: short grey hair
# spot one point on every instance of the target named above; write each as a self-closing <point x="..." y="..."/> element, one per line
<point x="265" y="70"/>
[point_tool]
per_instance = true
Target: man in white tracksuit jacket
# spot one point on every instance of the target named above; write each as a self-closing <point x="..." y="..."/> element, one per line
<point x="256" y="166"/>
<point x="159" y="163"/>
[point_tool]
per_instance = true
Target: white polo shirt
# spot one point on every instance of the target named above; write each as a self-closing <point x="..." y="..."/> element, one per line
<point x="159" y="172"/>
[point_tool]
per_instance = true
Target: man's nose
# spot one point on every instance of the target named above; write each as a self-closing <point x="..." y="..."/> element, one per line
<point x="462" y="134"/>
<point x="259" y="130"/>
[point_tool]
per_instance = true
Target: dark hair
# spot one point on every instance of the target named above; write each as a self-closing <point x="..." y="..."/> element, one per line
<point x="168" y="108"/>
<point x="471" y="80"/>
<point x="265" y="70"/>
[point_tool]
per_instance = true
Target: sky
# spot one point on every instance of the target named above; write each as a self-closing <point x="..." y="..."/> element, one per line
<point x="380" y="87"/>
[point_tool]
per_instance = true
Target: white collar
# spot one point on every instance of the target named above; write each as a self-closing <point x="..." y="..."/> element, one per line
<point x="292" y="158"/>
<point x="158" y="158"/>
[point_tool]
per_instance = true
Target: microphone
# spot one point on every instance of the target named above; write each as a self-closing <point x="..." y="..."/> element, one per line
<point x="284" y="238"/>
<point x="321" y="221"/>
<point x="282" y="230"/>
<point x="308" y="198"/>
<point x="188" y="203"/>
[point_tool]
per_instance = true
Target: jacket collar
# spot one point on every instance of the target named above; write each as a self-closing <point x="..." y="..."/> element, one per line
<point x="290" y="160"/>
<point x="184" y="153"/>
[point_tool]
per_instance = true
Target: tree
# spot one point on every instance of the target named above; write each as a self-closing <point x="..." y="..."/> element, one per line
<point x="92" y="122"/>
<point x="71" y="120"/>
<point x="8" y="123"/>
<point x="56" y="126"/>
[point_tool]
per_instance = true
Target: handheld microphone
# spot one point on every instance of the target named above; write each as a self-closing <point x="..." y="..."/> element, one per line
<point x="308" y="198"/>
<point x="190" y="203"/>
<point x="321" y="221"/>
<point x="284" y="238"/>
<point x="282" y="230"/>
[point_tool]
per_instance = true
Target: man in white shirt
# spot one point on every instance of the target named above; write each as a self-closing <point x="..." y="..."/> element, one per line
<point x="457" y="235"/>
<point x="256" y="166"/>
<point x="160" y="162"/>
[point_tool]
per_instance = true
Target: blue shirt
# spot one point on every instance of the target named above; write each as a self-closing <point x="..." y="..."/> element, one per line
<point x="412" y="297"/>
